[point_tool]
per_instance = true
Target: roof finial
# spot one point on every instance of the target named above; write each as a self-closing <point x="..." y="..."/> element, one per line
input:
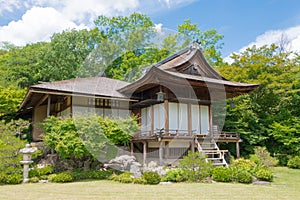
<point x="195" y="44"/>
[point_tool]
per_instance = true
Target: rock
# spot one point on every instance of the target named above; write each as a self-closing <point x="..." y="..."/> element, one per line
<point x="135" y="169"/>
<point x="126" y="163"/>
<point x="166" y="183"/>
<point x="261" y="183"/>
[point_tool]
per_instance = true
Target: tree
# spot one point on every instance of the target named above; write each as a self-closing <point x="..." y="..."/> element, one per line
<point x="10" y="99"/>
<point x="266" y="116"/>
<point x="10" y="145"/>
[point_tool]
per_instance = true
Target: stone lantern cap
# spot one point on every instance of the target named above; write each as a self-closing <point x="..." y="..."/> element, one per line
<point x="28" y="149"/>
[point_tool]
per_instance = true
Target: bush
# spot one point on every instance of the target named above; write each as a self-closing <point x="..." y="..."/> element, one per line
<point x="62" y="178"/>
<point x="242" y="176"/>
<point x="152" y="178"/>
<point x="34" y="180"/>
<point x="294" y="162"/>
<point x="262" y="157"/>
<point x="123" y="178"/>
<point x="222" y="174"/>
<point x="49" y="169"/>
<point x="174" y="175"/>
<point x="244" y="165"/>
<point x="264" y="174"/>
<point x="195" y="167"/>
<point x="92" y="174"/>
<point x="13" y="179"/>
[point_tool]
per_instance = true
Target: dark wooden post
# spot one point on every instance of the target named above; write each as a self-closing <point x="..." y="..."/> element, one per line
<point x="237" y="149"/>
<point x="48" y="106"/>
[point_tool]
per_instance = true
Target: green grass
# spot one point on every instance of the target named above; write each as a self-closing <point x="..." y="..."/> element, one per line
<point x="285" y="186"/>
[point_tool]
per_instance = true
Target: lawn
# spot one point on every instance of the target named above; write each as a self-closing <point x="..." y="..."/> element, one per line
<point x="285" y="186"/>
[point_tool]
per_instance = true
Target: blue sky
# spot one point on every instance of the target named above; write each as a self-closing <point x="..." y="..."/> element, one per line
<point x="243" y="23"/>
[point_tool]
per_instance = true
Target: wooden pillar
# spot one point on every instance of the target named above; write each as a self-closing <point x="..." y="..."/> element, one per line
<point x="144" y="152"/>
<point x="131" y="148"/>
<point x="189" y="119"/>
<point x="166" y="116"/>
<point x="152" y="120"/>
<point x="167" y="153"/>
<point x="192" y="146"/>
<point x="160" y="153"/>
<point x="210" y="120"/>
<point x="237" y="149"/>
<point x="48" y="106"/>
<point x="71" y="106"/>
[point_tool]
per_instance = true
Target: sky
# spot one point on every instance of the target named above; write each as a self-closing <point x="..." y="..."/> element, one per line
<point x="243" y="23"/>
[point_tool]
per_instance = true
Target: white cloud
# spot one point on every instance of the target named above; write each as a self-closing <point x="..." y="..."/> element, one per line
<point x="37" y="24"/>
<point x="8" y="5"/>
<point x="44" y="17"/>
<point x="290" y="36"/>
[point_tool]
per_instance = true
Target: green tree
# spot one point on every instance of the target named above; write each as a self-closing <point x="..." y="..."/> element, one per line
<point x="10" y="145"/>
<point x="10" y="99"/>
<point x="267" y="116"/>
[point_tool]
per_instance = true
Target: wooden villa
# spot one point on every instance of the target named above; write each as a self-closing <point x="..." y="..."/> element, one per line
<point x="173" y="100"/>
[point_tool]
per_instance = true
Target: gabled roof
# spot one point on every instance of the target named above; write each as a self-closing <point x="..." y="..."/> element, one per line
<point x="93" y="86"/>
<point x="188" y="64"/>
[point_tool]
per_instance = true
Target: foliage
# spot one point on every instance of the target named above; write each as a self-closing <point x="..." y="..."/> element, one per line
<point x="10" y="145"/>
<point x="126" y="177"/>
<point x="242" y="176"/>
<point x="39" y="172"/>
<point x="92" y="174"/>
<point x="151" y="178"/>
<point x="34" y="180"/>
<point x="63" y="177"/>
<point x="244" y="165"/>
<point x="90" y="136"/>
<point x="195" y="166"/>
<point x="264" y="174"/>
<point x="10" y="99"/>
<point x="262" y="157"/>
<point x="174" y="175"/>
<point x="268" y="116"/>
<point x="12" y="179"/>
<point x="294" y="162"/>
<point x="222" y="174"/>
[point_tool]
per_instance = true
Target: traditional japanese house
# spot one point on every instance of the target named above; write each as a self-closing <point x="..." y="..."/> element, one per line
<point x="173" y="100"/>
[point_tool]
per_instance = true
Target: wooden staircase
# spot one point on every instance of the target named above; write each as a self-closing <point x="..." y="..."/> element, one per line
<point x="210" y="148"/>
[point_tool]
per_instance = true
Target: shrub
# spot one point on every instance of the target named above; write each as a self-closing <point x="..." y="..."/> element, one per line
<point x="46" y="170"/>
<point x="62" y="178"/>
<point x="242" y="176"/>
<point x="222" y="174"/>
<point x="13" y="179"/>
<point x="139" y="181"/>
<point x="264" y="174"/>
<point x="294" y="162"/>
<point x="123" y="178"/>
<point x="151" y="177"/>
<point x="49" y="169"/>
<point x="92" y="174"/>
<point x="174" y="175"/>
<point x="34" y="180"/>
<point x="195" y="167"/>
<point x="245" y="165"/>
<point x="33" y="173"/>
<point x="262" y="157"/>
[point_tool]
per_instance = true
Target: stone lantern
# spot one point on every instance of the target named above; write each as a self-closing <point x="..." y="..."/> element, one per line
<point x="27" y="153"/>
